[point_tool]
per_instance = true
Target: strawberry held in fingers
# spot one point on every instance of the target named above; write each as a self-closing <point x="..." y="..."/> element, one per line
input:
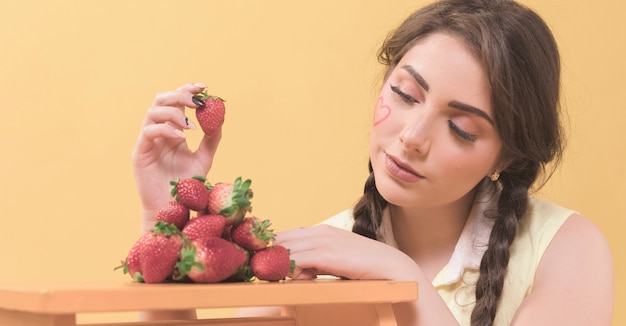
<point x="159" y="252"/>
<point x="211" y="260"/>
<point x="191" y="192"/>
<point x="232" y="200"/>
<point x="272" y="263"/>
<point x="252" y="233"/>
<point x="210" y="112"/>
<point x="175" y="213"/>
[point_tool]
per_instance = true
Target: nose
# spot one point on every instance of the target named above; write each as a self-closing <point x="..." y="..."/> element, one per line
<point x="416" y="136"/>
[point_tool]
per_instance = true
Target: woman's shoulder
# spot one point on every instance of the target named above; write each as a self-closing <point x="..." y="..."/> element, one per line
<point x="570" y="244"/>
<point x="576" y="233"/>
<point x="562" y="229"/>
<point x="546" y="223"/>
<point x="541" y="211"/>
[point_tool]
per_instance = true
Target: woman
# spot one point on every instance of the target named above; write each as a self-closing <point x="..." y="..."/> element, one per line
<point x="466" y="121"/>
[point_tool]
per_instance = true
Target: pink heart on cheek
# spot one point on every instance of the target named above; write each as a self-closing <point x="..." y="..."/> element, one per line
<point x="381" y="111"/>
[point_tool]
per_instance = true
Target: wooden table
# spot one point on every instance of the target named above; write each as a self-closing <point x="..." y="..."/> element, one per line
<point x="39" y="304"/>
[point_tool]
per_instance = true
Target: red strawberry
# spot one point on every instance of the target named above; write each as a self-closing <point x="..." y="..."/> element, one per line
<point x="272" y="263"/>
<point x="252" y="233"/>
<point x="131" y="265"/>
<point x="210" y="112"/>
<point x="159" y="252"/>
<point x="204" y="226"/>
<point x="231" y="200"/>
<point x="211" y="260"/>
<point x="191" y="192"/>
<point x="174" y="213"/>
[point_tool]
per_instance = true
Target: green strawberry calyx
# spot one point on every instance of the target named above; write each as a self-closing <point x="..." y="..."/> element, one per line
<point x="240" y="197"/>
<point x="187" y="260"/>
<point x="244" y="272"/>
<point x="166" y="228"/>
<point x="124" y="265"/>
<point x="261" y="230"/>
<point x="204" y="96"/>
<point x="292" y="266"/>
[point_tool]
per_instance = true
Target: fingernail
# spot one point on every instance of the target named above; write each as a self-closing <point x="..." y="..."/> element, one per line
<point x="197" y="101"/>
<point x="180" y="133"/>
<point x="190" y="124"/>
<point x="199" y="85"/>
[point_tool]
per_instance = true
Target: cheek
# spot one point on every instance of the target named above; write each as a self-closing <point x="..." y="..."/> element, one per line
<point x="382" y="111"/>
<point x="466" y="169"/>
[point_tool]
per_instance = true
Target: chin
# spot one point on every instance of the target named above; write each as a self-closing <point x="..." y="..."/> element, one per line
<point x="393" y="192"/>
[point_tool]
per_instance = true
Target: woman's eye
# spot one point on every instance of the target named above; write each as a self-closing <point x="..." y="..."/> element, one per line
<point x="404" y="96"/>
<point x="461" y="133"/>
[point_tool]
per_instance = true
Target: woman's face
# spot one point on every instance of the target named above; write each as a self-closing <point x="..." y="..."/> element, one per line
<point x="433" y="139"/>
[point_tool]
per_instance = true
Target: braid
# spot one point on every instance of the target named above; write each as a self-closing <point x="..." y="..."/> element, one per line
<point x="511" y="207"/>
<point x="368" y="210"/>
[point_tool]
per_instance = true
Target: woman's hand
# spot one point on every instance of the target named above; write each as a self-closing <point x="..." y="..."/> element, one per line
<point x="327" y="250"/>
<point x="162" y="154"/>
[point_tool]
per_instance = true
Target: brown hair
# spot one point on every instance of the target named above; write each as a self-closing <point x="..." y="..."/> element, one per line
<point x="521" y="58"/>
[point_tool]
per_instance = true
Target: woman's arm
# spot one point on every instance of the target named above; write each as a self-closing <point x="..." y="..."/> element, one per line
<point x="161" y="155"/>
<point x="327" y="250"/>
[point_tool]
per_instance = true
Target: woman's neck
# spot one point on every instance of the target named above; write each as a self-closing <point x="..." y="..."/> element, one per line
<point x="429" y="235"/>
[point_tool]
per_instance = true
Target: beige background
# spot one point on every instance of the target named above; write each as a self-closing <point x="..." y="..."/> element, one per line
<point x="76" y="78"/>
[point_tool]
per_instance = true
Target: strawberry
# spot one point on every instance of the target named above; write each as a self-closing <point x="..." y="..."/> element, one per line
<point x="210" y="112"/>
<point x="193" y="192"/>
<point x="272" y="263"/>
<point x="204" y="226"/>
<point x="252" y="233"/>
<point x="131" y="265"/>
<point x="159" y="252"/>
<point x="211" y="260"/>
<point x="231" y="200"/>
<point x="173" y="213"/>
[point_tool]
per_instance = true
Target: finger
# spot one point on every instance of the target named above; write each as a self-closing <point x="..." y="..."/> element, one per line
<point x="304" y="239"/>
<point x="309" y="258"/>
<point x="303" y="274"/>
<point x="150" y="133"/>
<point x="181" y="97"/>
<point x="293" y="234"/>
<point x="208" y="147"/>
<point x="165" y="114"/>
<point x="321" y="230"/>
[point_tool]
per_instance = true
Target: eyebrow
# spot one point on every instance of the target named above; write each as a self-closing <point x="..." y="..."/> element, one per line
<point x="420" y="80"/>
<point x="470" y="109"/>
<point x="453" y="104"/>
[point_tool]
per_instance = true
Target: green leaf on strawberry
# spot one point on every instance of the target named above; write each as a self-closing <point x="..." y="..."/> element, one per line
<point x="232" y="200"/>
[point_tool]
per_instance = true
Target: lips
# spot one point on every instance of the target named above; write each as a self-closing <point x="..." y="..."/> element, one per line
<point x="401" y="170"/>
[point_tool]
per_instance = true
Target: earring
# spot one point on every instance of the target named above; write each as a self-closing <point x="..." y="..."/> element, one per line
<point x="495" y="176"/>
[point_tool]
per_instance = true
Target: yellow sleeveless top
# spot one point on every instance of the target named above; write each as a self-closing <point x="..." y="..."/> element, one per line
<point x="456" y="281"/>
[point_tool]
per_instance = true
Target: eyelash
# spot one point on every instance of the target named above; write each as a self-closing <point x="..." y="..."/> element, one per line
<point x="461" y="133"/>
<point x="404" y="96"/>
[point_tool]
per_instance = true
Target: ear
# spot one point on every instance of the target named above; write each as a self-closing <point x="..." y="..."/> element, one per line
<point x="502" y="163"/>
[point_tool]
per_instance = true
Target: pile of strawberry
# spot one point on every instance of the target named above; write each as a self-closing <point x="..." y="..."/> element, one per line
<point x="222" y="242"/>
